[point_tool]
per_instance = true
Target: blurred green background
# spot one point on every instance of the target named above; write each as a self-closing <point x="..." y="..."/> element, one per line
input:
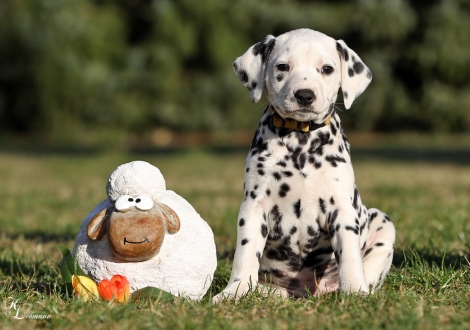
<point x="78" y="70"/>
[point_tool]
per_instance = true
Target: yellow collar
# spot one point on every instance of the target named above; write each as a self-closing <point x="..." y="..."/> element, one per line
<point x="295" y="125"/>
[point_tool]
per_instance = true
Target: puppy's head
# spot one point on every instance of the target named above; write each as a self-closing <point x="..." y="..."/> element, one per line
<point x="302" y="71"/>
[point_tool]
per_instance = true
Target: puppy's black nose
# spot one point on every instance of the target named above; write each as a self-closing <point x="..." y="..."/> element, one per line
<point x="305" y="96"/>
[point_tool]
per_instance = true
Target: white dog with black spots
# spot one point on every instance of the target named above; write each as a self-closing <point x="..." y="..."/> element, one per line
<point x="302" y="227"/>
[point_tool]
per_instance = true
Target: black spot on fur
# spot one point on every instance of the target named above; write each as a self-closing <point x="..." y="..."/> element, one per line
<point x="264" y="230"/>
<point x="247" y="170"/>
<point x="372" y="216"/>
<point x="302" y="137"/>
<point x="276" y="233"/>
<point x="243" y="76"/>
<point x="332" y="217"/>
<point x="369" y="74"/>
<point x="258" y="256"/>
<point x="287" y="174"/>
<point x="253" y="195"/>
<point x="356" y="195"/>
<point x="333" y="160"/>
<point x="361" y="229"/>
<point x="260" y="165"/>
<point x="346" y="141"/>
<point x="279" y="77"/>
<point x="258" y="145"/>
<point x="351" y="72"/>
<point x="281" y="163"/>
<point x="317" y="144"/>
<point x="264" y="48"/>
<point x="342" y="51"/>
<point x="244" y="241"/>
<point x="284" y="190"/>
<point x="297" y="209"/>
<point x="241" y="223"/>
<point x="322" y="205"/>
<point x="358" y="67"/>
<point x="254" y="84"/>
<point x="298" y="158"/>
<point x="317" y="257"/>
<point x="277" y="176"/>
<point x="345" y="95"/>
<point x="293" y="230"/>
<point x="260" y="172"/>
<point x="268" y="192"/>
<point x="333" y="130"/>
<point x="311" y="231"/>
<point x="354" y="229"/>
<point x="284" y="252"/>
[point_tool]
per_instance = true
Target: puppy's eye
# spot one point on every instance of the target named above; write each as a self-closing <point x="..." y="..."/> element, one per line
<point x="283" y="67"/>
<point x="327" y="69"/>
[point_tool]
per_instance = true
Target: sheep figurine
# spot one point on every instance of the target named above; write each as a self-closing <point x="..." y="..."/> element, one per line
<point x="148" y="234"/>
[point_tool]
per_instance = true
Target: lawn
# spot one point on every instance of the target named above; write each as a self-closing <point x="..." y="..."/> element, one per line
<point x="426" y="192"/>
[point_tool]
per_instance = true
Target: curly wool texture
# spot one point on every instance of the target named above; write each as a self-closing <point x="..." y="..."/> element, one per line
<point x="186" y="262"/>
<point x="136" y="178"/>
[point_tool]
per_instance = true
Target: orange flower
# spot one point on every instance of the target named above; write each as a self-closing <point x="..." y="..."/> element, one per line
<point x="117" y="288"/>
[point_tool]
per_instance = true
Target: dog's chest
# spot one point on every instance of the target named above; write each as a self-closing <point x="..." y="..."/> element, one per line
<point x="292" y="175"/>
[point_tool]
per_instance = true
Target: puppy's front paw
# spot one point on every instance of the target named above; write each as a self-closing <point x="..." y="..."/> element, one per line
<point x="222" y="296"/>
<point x="233" y="291"/>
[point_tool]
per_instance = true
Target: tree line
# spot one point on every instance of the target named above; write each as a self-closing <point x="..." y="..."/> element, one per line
<point x="133" y="65"/>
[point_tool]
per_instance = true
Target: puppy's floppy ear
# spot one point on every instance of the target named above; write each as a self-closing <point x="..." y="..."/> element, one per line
<point x="355" y="75"/>
<point x="251" y="66"/>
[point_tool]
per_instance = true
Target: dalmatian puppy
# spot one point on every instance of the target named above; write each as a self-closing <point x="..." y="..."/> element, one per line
<point x="302" y="227"/>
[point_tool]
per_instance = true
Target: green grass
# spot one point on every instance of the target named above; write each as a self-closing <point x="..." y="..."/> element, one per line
<point x="45" y="196"/>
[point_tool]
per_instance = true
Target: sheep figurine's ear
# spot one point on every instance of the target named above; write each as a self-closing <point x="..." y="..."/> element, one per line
<point x="169" y="217"/>
<point x="355" y="75"/>
<point x="97" y="227"/>
<point x="251" y="66"/>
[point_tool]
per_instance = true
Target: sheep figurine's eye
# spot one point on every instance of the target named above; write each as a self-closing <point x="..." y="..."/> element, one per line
<point x="124" y="202"/>
<point x="143" y="203"/>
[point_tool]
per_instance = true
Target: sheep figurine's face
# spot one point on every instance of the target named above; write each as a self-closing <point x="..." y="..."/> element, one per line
<point x="135" y="227"/>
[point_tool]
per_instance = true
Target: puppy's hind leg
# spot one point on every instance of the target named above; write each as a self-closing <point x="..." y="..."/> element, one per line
<point x="377" y="254"/>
